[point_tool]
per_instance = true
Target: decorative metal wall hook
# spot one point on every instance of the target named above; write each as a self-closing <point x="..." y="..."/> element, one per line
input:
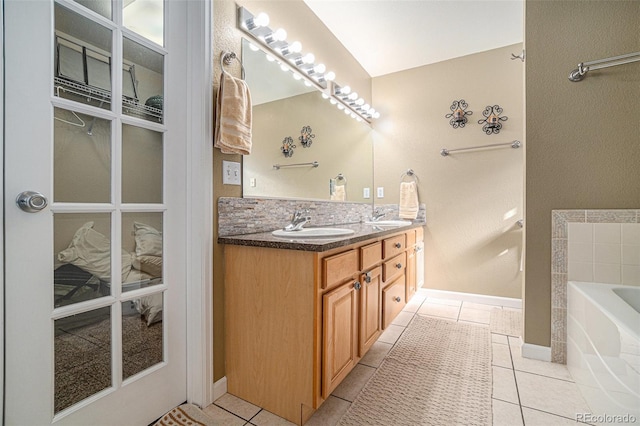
<point x="287" y="146"/>
<point x="306" y="137"/>
<point x="492" y="121"/>
<point x="459" y="113"/>
<point x="520" y="56"/>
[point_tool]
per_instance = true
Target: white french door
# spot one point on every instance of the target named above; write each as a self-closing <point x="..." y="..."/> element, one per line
<point x="96" y="151"/>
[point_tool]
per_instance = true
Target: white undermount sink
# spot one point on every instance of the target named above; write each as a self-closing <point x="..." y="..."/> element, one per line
<point x="313" y="233"/>
<point x="390" y="223"/>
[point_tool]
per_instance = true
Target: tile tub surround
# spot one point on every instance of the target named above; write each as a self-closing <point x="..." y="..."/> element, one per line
<point x="239" y="216"/>
<point x="561" y="219"/>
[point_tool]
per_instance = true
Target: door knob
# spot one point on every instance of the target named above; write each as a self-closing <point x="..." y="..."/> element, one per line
<point x="31" y="201"/>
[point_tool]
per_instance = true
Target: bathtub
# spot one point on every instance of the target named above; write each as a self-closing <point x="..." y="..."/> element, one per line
<point x="603" y="349"/>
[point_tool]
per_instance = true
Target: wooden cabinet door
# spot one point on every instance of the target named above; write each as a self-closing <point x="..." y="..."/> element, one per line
<point x="339" y="325"/>
<point x="370" y="309"/>
<point x="411" y="273"/>
<point x="393" y="300"/>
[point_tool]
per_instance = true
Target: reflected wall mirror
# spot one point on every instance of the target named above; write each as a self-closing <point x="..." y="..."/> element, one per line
<point x="283" y="107"/>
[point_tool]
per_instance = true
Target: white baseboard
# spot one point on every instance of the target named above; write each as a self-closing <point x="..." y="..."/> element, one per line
<point x="475" y="298"/>
<point x="220" y="388"/>
<point x="541" y="353"/>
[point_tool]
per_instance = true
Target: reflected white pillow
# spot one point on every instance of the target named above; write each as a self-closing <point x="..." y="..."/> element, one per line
<point x="150" y="307"/>
<point x="148" y="240"/>
<point x="91" y="251"/>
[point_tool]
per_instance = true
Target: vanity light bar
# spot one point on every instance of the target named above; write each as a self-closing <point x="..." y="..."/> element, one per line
<point x="288" y="54"/>
<point x="303" y="66"/>
<point x="351" y="100"/>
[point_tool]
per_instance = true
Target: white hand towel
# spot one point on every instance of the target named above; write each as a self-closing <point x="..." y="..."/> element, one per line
<point x="408" y="206"/>
<point x="339" y="194"/>
<point x="233" y="116"/>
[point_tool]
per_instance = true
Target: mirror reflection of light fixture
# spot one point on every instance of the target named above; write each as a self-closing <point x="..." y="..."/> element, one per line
<point x="458" y="114"/>
<point x="492" y="121"/>
<point x="302" y="65"/>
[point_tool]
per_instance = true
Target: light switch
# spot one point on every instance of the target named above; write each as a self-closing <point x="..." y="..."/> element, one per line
<point x="380" y="192"/>
<point x="231" y="173"/>
<point x="366" y="193"/>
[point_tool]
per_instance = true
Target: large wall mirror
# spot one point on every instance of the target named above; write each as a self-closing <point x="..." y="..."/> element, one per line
<point x="284" y="107"/>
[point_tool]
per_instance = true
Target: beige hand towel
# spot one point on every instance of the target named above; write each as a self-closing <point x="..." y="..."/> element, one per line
<point x="408" y="206"/>
<point x="340" y="193"/>
<point x="233" y="116"/>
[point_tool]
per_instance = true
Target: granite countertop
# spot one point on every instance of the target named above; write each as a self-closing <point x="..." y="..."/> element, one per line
<point x="362" y="232"/>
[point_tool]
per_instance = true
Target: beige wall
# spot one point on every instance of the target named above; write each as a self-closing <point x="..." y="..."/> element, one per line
<point x="473" y="199"/>
<point x="583" y="139"/>
<point x="301" y="24"/>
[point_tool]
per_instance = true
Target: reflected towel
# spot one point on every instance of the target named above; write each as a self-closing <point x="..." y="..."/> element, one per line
<point x="408" y="206"/>
<point x="339" y="194"/>
<point x="233" y="116"/>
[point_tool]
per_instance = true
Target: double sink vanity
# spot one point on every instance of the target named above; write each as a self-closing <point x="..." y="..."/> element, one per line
<point x="303" y="307"/>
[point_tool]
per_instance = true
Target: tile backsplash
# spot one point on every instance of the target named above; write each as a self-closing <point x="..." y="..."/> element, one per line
<point x="604" y="252"/>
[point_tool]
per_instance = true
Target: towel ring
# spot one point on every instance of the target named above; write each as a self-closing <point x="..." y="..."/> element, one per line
<point x="226" y="58"/>
<point x="410" y="174"/>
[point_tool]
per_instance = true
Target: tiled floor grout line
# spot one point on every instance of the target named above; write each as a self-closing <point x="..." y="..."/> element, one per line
<point x="515" y="379"/>
<point x="232" y="413"/>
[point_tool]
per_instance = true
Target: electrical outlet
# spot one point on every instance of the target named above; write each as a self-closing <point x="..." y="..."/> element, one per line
<point x="380" y="192"/>
<point x="366" y="193"/>
<point x="231" y="173"/>
<point x="252" y="182"/>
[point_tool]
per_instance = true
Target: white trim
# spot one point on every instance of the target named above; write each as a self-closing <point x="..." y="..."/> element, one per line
<point x="2" y="211"/>
<point x="541" y="353"/>
<point x="475" y="298"/>
<point x="220" y="388"/>
<point x="200" y="204"/>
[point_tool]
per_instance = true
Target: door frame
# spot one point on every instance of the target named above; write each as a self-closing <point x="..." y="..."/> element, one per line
<point x="199" y="297"/>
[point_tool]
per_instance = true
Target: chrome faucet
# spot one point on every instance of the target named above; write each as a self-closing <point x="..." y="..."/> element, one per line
<point x="298" y="220"/>
<point x="377" y="214"/>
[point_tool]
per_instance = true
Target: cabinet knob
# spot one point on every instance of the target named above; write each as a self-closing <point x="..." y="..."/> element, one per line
<point x="357" y="285"/>
<point x="397" y="245"/>
<point x="397" y="299"/>
<point x="367" y="277"/>
<point x="399" y="265"/>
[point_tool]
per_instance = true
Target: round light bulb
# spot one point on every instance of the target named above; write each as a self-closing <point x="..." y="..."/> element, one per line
<point x="353" y="115"/>
<point x="283" y="67"/>
<point x="353" y="96"/>
<point x="280" y="35"/>
<point x="376" y="115"/>
<point x="270" y="58"/>
<point x="295" y="47"/>
<point x="340" y="106"/>
<point x="320" y="68"/>
<point x="333" y="101"/>
<point x="253" y="47"/>
<point x="360" y="102"/>
<point x="308" y="58"/>
<point x="330" y="76"/>
<point x="325" y="96"/>
<point x="306" y="83"/>
<point x="345" y="90"/>
<point x="358" y="119"/>
<point x="261" y="20"/>
<point x="346" y="111"/>
<point x="366" y="107"/>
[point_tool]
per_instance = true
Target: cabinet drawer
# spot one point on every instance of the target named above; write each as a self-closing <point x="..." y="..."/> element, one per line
<point x="393" y="300"/>
<point x="339" y="267"/>
<point x="370" y="255"/>
<point x="411" y="238"/>
<point x="394" y="245"/>
<point x="393" y="267"/>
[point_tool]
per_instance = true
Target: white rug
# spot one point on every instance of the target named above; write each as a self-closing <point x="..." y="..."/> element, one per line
<point x="438" y="373"/>
<point x="185" y="415"/>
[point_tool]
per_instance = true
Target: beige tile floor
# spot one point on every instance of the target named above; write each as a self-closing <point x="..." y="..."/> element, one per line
<point x="525" y="391"/>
